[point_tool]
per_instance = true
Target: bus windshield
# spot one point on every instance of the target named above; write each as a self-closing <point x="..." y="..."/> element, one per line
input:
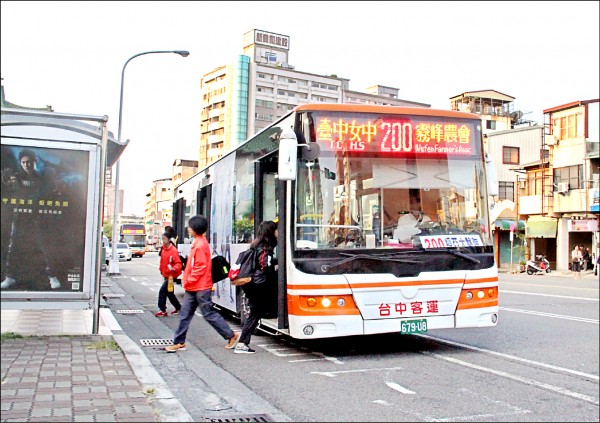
<point x="386" y="181"/>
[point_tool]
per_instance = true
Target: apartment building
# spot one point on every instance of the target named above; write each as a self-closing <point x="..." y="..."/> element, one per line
<point x="158" y="210"/>
<point x="510" y="149"/>
<point x="182" y="171"/>
<point x="243" y="97"/>
<point x="495" y="108"/>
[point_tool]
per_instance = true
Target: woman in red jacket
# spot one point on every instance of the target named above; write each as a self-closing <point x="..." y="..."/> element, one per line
<point x="170" y="265"/>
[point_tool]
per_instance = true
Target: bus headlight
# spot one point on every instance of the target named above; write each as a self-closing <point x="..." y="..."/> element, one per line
<point x="326" y="302"/>
<point x="311" y="302"/>
<point x="341" y="302"/>
<point x="480" y="294"/>
<point x="469" y="295"/>
<point x="308" y="330"/>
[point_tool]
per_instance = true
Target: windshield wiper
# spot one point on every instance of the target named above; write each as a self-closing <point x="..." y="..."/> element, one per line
<point x="352" y="257"/>
<point x="453" y="252"/>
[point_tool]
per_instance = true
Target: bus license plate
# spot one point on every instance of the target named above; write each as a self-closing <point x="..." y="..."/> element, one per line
<point x="413" y="326"/>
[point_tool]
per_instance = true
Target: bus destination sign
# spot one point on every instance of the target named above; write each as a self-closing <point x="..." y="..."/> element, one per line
<point x="398" y="135"/>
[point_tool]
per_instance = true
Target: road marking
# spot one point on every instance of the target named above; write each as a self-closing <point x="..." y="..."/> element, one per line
<point x="541" y="385"/>
<point x="382" y="402"/>
<point x="150" y="264"/>
<point x="480" y="417"/>
<point x="133" y="279"/>
<point x="502" y="291"/>
<point x="556" y="316"/>
<point x="399" y="388"/>
<point x="511" y="357"/>
<point x="334" y="374"/>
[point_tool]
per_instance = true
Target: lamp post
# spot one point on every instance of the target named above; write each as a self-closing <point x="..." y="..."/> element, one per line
<point x="114" y="259"/>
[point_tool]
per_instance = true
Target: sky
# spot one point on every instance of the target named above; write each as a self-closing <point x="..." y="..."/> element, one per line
<point x="70" y="55"/>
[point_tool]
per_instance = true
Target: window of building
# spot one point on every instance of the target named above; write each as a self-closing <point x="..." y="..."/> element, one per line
<point x="545" y="154"/>
<point x="534" y="182"/>
<point x="566" y="127"/>
<point x="263" y="117"/>
<point x="280" y="92"/>
<point x="332" y="87"/>
<point x="291" y="81"/>
<point x="510" y="155"/>
<point x="264" y="103"/>
<point x="271" y="57"/>
<point x="506" y="190"/>
<point x="573" y="175"/>
<point x="490" y="124"/>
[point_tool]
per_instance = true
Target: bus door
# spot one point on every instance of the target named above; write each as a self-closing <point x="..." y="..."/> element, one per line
<point x="203" y="204"/>
<point x="266" y="207"/>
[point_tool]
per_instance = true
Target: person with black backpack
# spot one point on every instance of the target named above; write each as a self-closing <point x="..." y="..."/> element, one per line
<point x="263" y="277"/>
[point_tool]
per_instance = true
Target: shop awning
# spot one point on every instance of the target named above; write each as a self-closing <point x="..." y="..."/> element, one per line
<point x="541" y="227"/>
<point x="504" y="224"/>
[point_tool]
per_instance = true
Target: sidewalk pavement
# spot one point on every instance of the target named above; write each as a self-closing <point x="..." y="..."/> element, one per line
<point x="587" y="274"/>
<point x="56" y="370"/>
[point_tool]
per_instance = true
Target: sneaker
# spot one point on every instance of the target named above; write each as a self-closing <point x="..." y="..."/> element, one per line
<point x="233" y="341"/>
<point x="175" y="312"/>
<point x="7" y="282"/>
<point x="176" y="347"/>
<point x="161" y="314"/>
<point x="54" y="283"/>
<point x="243" y="349"/>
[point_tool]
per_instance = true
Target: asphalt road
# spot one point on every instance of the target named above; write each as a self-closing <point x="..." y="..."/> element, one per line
<point x="540" y="363"/>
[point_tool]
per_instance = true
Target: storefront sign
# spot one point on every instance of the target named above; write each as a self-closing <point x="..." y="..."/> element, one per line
<point x="583" y="225"/>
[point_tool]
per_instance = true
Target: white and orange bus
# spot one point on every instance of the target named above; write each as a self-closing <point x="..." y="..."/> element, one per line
<point x="382" y="214"/>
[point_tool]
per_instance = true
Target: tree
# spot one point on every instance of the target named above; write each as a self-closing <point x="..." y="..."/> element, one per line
<point x="107" y="228"/>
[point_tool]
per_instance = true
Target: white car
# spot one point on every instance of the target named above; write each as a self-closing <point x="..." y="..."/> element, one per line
<point x="123" y="251"/>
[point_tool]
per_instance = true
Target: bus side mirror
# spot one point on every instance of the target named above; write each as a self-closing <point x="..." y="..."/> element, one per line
<point x="288" y="156"/>
<point x="492" y="178"/>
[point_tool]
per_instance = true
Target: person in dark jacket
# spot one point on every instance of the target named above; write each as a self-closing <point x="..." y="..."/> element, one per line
<point x="257" y="292"/>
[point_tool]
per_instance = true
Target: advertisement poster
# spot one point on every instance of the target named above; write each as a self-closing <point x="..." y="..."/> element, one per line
<point x="44" y="204"/>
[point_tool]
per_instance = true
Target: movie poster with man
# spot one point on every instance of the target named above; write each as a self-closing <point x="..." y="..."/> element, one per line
<point x="44" y="205"/>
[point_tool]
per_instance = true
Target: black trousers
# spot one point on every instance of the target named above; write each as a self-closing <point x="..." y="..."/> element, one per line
<point x="163" y="293"/>
<point x="256" y="295"/>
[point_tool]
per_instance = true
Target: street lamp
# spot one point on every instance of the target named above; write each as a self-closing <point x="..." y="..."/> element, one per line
<point x="114" y="259"/>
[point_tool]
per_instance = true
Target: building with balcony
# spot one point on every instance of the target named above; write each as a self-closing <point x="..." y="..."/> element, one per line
<point x="260" y="86"/>
<point x="495" y="108"/>
<point x="573" y="137"/>
<point x="509" y="149"/>
<point x="560" y="200"/>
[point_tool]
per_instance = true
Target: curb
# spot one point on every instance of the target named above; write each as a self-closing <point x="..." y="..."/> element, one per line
<point x="169" y="407"/>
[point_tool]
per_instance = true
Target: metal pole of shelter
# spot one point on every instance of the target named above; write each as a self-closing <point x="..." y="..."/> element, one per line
<point x="97" y="278"/>
<point x="114" y="259"/>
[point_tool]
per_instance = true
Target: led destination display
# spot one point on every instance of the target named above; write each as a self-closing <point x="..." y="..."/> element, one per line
<point x="398" y="135"/>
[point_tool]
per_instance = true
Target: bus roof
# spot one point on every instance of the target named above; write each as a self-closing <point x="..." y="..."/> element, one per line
<point x="394" y="110"/>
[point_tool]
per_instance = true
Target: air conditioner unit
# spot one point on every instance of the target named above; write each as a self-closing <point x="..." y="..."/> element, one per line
<point x="551" y="140"/>
<point x="563" y="187"/>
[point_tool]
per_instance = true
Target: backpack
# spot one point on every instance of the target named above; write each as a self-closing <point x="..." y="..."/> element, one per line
<point x="249" y="270"/>
<point x="220" y="268"/>
<point x="183" y="262"/>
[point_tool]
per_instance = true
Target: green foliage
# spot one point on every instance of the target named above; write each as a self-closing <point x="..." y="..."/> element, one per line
<point x="243" y="226"/>
<point x="107" y="229"/>
<point x="104" y="345"/>
<point x="10" y="335"/>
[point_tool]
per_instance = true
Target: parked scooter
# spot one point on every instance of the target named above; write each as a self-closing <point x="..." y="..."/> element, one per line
<point x="540" y="266"/>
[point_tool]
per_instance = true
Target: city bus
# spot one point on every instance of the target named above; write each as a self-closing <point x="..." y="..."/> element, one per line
<point x="135" y="236"/>
<point x="382" y="217"/>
